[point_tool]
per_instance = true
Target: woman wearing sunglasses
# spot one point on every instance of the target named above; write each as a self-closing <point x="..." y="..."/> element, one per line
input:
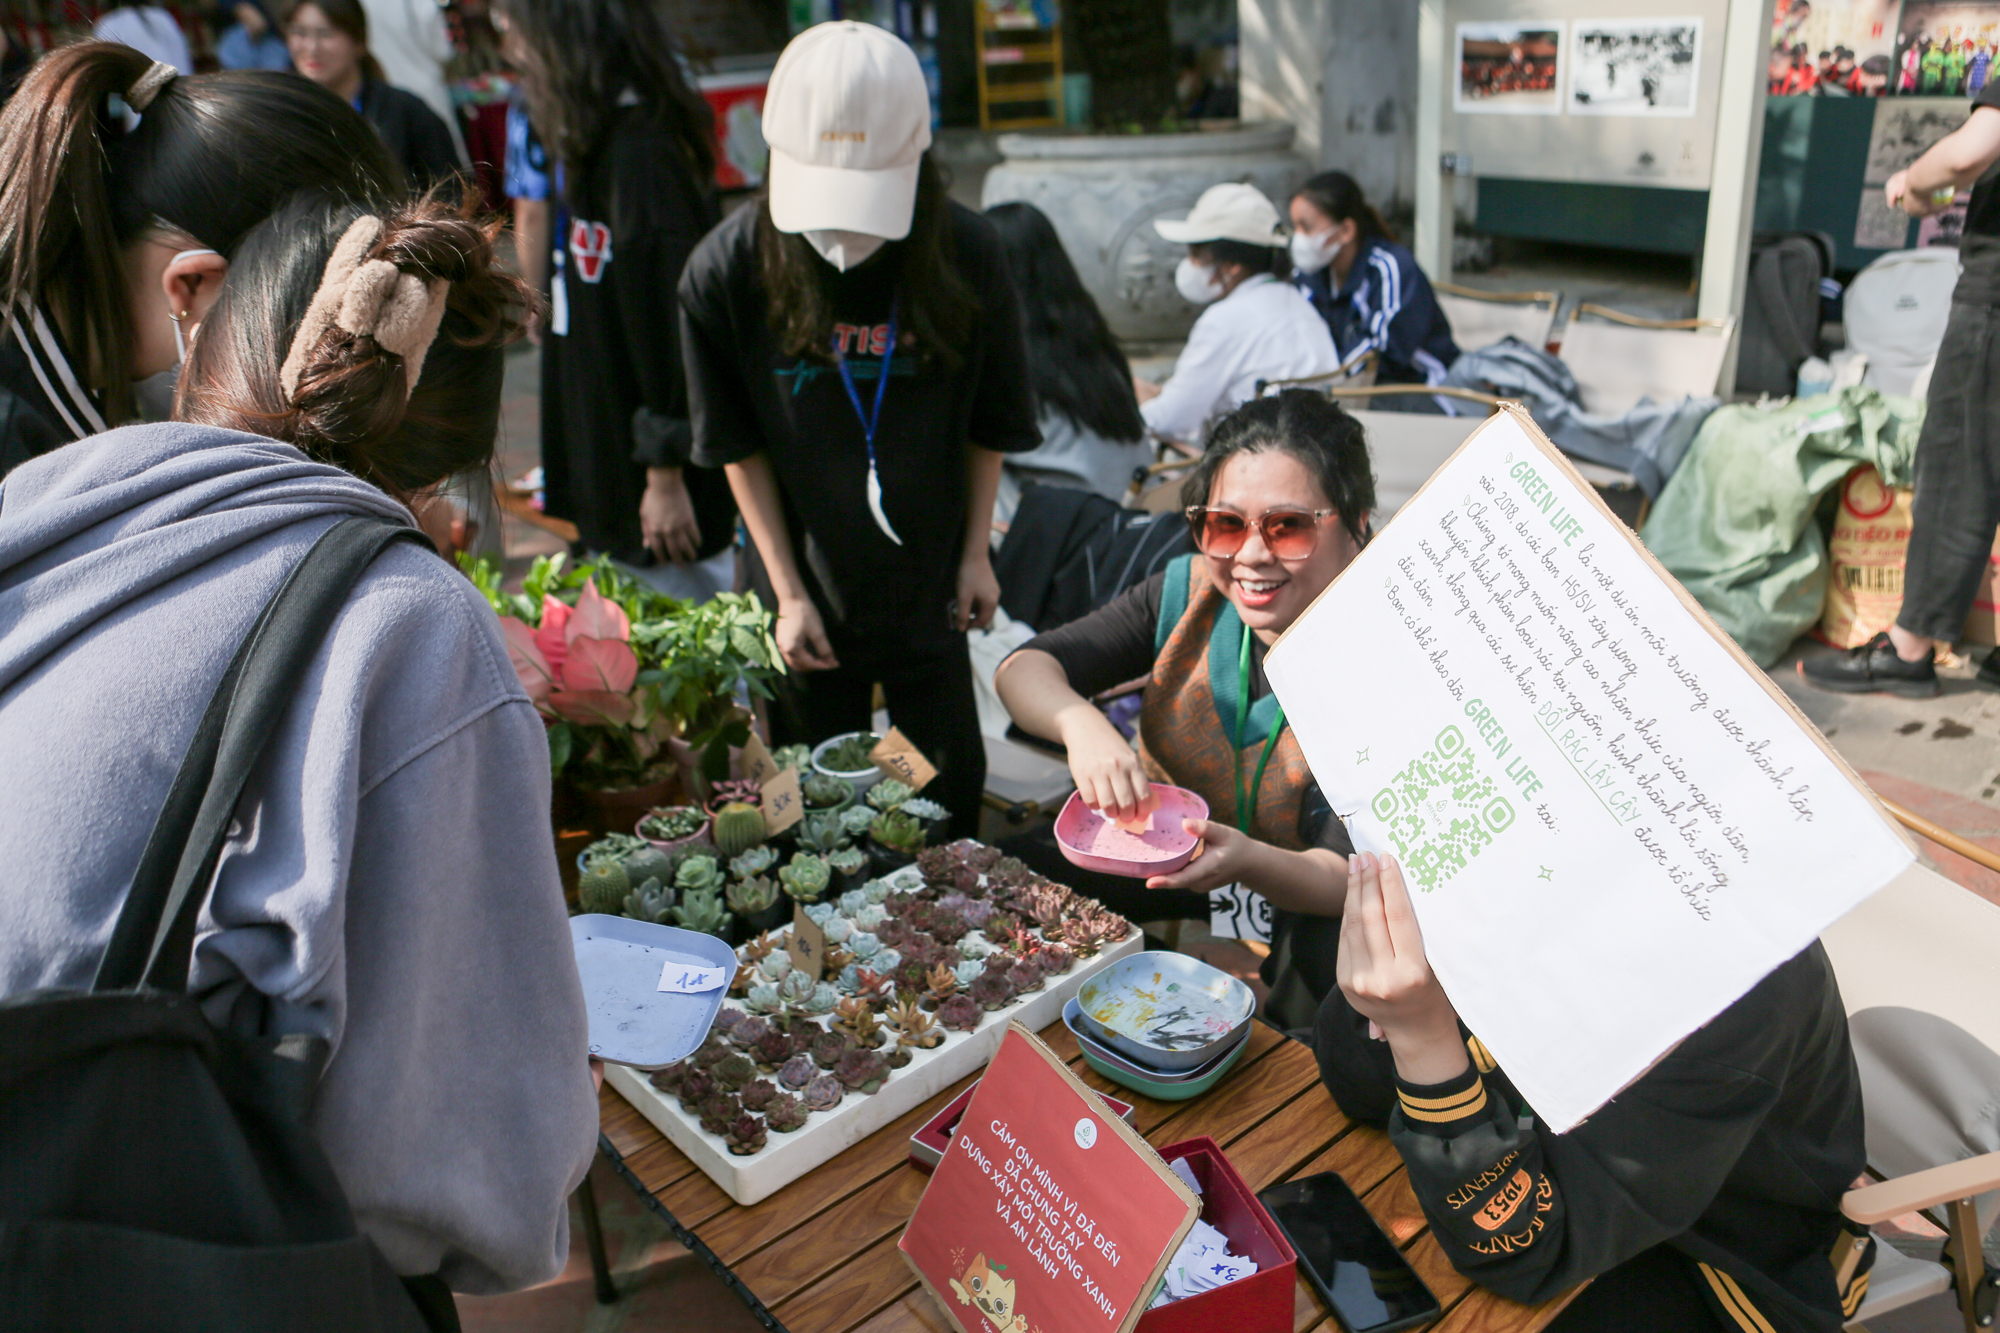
<point x="1278" y="506"/>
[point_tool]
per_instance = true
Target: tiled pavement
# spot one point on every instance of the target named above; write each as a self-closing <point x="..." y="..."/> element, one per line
<point x="1939" y="758"/>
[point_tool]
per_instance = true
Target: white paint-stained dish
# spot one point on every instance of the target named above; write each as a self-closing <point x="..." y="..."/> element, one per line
<point x="1166" y="1011"/>
<point x="621" y="962"/>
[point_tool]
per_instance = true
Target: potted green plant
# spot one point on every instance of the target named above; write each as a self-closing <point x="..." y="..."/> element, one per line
<point x="894" y="839"/>
<point x="669" y="827"/>
<point x="826" y="791"/>
<point x="759" y="906"/>
<point x="846" y="757"/>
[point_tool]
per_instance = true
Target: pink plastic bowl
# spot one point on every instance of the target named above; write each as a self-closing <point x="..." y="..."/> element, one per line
<point x="1093" y="842"/>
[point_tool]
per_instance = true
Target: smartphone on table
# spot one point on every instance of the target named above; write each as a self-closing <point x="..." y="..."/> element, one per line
<point x="1349" y="1259"/>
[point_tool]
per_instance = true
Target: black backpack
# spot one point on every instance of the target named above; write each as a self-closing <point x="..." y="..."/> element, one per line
<point x="1781" y="309"/>
<point x="156" y="1172"/>
<point x="1068" y="552"/>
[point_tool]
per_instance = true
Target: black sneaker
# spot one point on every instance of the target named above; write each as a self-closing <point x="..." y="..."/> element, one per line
<point x="1872" y="667"/>
<point x="1989" y="671"/>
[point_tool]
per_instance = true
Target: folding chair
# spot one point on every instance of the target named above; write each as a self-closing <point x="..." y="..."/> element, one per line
<point x="1480" y="318"/>
<point x="1619" y="358"/>
<point x="1916" y="970"/>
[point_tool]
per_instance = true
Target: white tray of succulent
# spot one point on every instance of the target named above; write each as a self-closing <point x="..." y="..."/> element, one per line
<point x="749" y="1160"/>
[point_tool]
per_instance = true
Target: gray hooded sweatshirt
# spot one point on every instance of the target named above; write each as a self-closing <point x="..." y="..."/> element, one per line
<point x="391" y="881"/>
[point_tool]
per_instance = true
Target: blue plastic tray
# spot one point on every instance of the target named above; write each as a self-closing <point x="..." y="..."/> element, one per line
<point x="632" y="1021"/>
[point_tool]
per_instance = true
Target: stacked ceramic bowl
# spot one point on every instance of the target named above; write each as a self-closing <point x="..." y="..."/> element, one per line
<point x="1164" y="1024"/>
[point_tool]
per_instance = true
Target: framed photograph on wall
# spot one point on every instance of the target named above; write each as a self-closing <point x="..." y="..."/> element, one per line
<point x="1634" y="67"/>
<point x="1946" y="48"/>
<point x="1509" y="68"/>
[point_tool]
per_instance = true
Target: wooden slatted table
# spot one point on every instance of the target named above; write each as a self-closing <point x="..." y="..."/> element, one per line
<point x="819" y="1256"/>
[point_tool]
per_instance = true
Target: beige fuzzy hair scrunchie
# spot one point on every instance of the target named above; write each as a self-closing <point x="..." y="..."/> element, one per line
<point x="371" y="297"/>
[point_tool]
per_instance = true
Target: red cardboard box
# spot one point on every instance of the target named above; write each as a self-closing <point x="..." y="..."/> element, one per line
<point x="1260" y="1303"/>
<point x="927" y="1145"/>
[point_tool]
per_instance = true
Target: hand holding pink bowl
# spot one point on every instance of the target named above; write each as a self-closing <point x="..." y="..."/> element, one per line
<point x="1094" y="842"/>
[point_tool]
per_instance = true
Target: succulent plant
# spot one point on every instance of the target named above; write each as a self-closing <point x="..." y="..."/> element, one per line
<point x="863" y="945"/>
<point x="772" y="1049"/>
<point x="898" y="831"/>
<point x="646" y="862"/>
<point x="805" y="878"/>
<point x="785" y="1114"/>
<point x="856" y="819"/>
<point x="735" y="791"/>
<point x="822" y="832"/>
<point x="823" y="791"/>
<point x="703" y="911"/>
<point x="821" y="913"/>
<point x="712" y="1053"/>
<point x="696" y="1086"/>
<point x="887" y="961"/>
<point x="798" y="1071"/>
<point x="762" y="998"/>
<point x="862" y="1071"/>
<point x="739" y="826"/>
<point x="838" y="956"/>
<point x="668" y="1080"/>
<point x="734" y="1072"/>
<point x="976" y="946"/>
<point x="745" y="1134"/>
<point x="745" y="1030"/>
<point x="728" y="1021"/>
<point x="851" y="753"/>
<point x="795" y="990"/>
<point x="870" y="984"/>
<point x="651" y="901"/>
<point x="1055" y="959"/>
<point x="857" y="1017"/>
<point x="671" y="823"/>
<point x="775" y="966"/>
<point x="1002" y="927"/>
<point x="940" y="984"/>
<point x="757" y="1094"/>
<point x="888" y="794"/>
<point x="823" y="1093"/>
<point x="961" y="1013"/>
<point x="824" y="996"/>
<point x="848" y="861"/>
<point x="877" y="891"/>
<point x="992" y="991"/>
<point x="898" y="1055"/>
<point x="978" y="912"/>
<point x="751" y="897"/>
<point x="699" y="874"/>
<point x="754" y="862"/>
<point x="969" y="971"/>
<point x="602" y="886"/>
<point x="792" y="756"/>
<point x="928" y="811"/>
<point x="717" y="1110"/>
<point x="828" y="1047"/>
<point x="1025" y="976"/>
<point x="914" y="1027"/>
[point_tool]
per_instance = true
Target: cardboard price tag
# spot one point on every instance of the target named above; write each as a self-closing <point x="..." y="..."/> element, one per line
<point x="895" y="756"/>
<point x="758" y="765"/>
<point x="806" y="944"/>
<point x="784" y="803"/>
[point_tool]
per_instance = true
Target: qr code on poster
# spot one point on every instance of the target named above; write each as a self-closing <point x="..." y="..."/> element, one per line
<point x="1441" y="811"/>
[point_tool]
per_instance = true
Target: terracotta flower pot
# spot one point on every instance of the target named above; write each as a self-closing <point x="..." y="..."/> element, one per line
<point x="617" y="810"/>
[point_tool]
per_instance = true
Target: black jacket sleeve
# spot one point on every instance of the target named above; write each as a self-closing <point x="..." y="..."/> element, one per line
<point x="718" y="351"/>
<point x="1111" y="645"/>
<point x="659" y="212"/>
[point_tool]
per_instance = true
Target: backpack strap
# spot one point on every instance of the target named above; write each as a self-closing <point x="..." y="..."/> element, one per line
<point x="152" y="943"/>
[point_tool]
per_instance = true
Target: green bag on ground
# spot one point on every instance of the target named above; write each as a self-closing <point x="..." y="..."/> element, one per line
<point x="1735" y="521"/>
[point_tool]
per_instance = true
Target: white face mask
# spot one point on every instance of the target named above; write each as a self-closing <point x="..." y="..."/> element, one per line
<point x="1313" y="251"/>
<point x="843" y="249"/>
<point x="1197" y="283"/>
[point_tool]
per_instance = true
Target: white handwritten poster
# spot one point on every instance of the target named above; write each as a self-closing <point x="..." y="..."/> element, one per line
<point x="1612" y="825"/>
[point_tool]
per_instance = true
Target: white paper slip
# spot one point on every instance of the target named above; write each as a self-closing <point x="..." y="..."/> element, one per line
<point x="1180" y="1168"/>
<point x="691" y="978"/>
<point x="1611" y="823"/>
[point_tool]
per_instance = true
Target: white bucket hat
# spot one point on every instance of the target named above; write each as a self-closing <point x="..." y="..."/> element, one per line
<point x="848" y="118"/>
<point x="1227" y="213"/>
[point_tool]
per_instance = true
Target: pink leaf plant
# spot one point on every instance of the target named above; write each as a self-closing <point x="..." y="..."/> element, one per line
<point x="578" y="664"/>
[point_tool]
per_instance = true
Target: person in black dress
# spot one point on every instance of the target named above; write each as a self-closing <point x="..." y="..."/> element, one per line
<point x="329" y="44"/>
<point x="633" y="152"/>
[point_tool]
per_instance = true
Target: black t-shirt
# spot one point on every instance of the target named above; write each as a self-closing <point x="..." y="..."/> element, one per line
<point x="1979" y="246"/>
<point x="1115" y="644"/>
<point x="415" y="135"/>
<point x="614" y="390"/>
<point x="748" y="396"/>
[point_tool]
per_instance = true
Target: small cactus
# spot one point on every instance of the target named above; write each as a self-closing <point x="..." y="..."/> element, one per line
<point x="602" y="887"/>
<point x="750" y="897"/>
<point x="754" y="862"/>
<point x="648" y="862"/>
<point x="703" y="911"/>
<point x="898" y="831"/>
<point x="806" y="877"/>
<point x="699" y="874"/>
<point x="651" y="901"/>
<point x="822" y="832"/>
<point x="786" y="1114"/>
<point x="889" y="794"/>
<point x="738" y="828"/>
<point x="823" y="791"/>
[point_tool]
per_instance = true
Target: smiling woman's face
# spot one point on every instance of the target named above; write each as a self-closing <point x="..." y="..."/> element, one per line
<point x="323" y="53"/>
<point x="1270" y="593"/>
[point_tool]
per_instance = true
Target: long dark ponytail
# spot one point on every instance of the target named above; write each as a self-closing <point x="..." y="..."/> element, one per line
<point x="212" y="156"/>
<point x="1339" y="196"/>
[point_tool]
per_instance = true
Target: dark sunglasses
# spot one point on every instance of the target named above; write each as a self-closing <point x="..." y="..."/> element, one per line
<point x="1289" y="534"/>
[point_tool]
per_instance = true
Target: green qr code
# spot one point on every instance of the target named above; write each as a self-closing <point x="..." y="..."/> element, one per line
<point x="1441" y="811"/>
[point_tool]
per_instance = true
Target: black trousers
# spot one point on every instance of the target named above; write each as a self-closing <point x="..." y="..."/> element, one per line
<point x="1957" y="506"/>
<point x="930" y="696"/>
<point x="1656" y="1291"/>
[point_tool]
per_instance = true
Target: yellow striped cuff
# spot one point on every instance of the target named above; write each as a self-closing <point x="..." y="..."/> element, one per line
<point x="1457" y="1105"/>
<point x="1735" y="1302"/>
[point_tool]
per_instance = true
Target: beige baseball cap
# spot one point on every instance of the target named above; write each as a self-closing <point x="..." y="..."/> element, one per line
<point x="1227" y="213"/>
<point x="848" y="118"/>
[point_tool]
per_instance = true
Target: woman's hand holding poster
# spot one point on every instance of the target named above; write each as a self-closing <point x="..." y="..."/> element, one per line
<point x="1612" y="823"/>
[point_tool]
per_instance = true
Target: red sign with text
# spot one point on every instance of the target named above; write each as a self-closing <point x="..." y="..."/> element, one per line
<point x="1048" y="1214"/>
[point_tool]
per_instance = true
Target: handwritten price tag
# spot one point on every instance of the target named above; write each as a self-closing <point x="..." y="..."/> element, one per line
<point x="806" y="944"/>
<point x="758" y="765"/>
<point x="784" y="805"/>
<point x="895" y="756"/>
<point x="692" y="979"/>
